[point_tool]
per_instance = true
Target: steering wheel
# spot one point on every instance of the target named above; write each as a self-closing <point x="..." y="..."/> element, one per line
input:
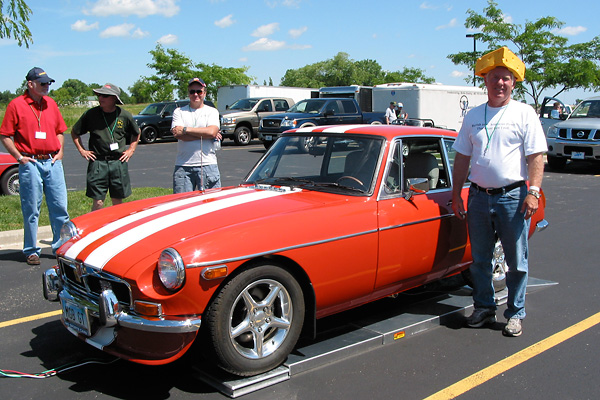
<point x="351" y="178"/>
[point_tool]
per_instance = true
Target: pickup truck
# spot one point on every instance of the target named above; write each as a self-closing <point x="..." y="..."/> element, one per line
<point x="577" y="138"/>
<point x="315" y="112"/>
<point x="240" y="121"/>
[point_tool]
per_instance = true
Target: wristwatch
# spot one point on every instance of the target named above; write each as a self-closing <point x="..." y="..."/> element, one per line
<point x="534" y="193"/>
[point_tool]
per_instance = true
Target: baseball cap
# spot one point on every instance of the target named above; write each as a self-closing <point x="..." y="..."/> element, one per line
<point x="400" y="105"/>
<point x="38" y="74"/>
<point x="197" y="80"/>
<point x="110" y="90"/>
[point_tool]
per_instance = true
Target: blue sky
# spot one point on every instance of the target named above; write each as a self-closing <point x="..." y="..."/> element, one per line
<point x="99" y="41"/>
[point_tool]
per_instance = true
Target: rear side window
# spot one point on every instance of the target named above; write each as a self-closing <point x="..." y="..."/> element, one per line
<point x="281" y="105"/>
<point x="349" y="107"/>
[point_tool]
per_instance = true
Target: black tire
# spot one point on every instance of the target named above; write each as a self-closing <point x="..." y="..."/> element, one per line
<point x="10" y="182"/>
<point x="242" y="136"/>
<point x="557" y="163"/>
<point x="498" y="273"/>
<point x="255" y="320"/>
<point x="149" y="134"/>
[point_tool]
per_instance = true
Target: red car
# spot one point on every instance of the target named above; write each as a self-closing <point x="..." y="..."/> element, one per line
<point x="9" y="174"/>
<point x="362" y="212"/>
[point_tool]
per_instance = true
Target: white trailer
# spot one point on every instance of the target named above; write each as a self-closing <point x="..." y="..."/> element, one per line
<point x="227" y="95"/>
<point x="445" y="105"/>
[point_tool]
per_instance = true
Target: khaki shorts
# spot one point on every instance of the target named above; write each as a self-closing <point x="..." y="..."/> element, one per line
<point x="104" y="176"/>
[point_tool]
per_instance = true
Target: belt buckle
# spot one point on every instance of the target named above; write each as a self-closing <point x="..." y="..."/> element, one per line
<point x="489" y="191"/>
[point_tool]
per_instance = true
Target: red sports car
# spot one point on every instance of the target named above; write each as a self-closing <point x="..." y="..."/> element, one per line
<point x="330" y="218"/>
<point x="9" y="174"/>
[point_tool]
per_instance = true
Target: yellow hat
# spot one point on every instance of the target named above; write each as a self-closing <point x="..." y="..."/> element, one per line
<point x="501" y="57"/>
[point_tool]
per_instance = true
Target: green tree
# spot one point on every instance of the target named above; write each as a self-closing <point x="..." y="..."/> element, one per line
<point x="141" y="91"/>
<point x="550" y="62"/>
<point x="14" y="15"/>
<point x="343" y="71"/>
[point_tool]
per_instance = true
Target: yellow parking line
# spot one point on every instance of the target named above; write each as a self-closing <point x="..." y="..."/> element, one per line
<point x="512" y="361"/>
<point x="30" y="318"/>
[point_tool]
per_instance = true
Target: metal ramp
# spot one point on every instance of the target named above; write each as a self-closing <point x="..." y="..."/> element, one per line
<point x="408" y="315"/>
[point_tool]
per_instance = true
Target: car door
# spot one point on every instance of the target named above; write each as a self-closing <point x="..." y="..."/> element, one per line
<point x="264" y="109"/>
<point x="164" y="125"/>
<point x="419" y="236"/>
<point x="349" y="114"/>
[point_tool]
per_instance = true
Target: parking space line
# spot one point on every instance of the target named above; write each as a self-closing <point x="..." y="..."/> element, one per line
<point x="502" y="366"/>
<point x="30" y="318"/>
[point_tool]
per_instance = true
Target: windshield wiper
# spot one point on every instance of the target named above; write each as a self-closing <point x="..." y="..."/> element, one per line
<point x="338" y="186"/>
<point x="285" y="180"/>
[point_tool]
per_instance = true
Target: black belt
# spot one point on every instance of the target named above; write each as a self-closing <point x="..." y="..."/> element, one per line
<point x="109" y="157"/>
<point x="40" y="156"/>
<point x="500" y="190"/>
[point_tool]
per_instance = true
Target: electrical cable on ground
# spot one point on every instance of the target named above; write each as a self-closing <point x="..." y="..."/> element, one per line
<point x="5" y="373"/>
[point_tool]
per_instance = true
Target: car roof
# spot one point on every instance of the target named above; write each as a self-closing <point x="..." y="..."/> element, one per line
<point x="388" y="131"/>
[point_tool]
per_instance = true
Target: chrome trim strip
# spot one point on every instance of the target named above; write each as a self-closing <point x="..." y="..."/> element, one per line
<point x="446" y="216"/>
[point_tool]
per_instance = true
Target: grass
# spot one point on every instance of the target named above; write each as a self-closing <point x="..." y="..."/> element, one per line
<point x="78" y="204"/>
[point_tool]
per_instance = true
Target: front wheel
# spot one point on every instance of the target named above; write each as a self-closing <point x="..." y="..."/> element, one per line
<point x="499" y="269"/>
<point x="10" y="182"/>
<point x="242" y="136"/>
<point x="255" y="320"/>
<point x="149" y="135"/>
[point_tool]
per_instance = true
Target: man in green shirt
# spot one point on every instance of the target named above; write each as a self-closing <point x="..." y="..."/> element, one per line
<point x="113" y="139"/>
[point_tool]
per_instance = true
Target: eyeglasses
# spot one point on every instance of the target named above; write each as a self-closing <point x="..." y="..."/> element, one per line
<point x="193" y="92"/>
<point x="46" y="83"/>
<point x="103" y="95"/>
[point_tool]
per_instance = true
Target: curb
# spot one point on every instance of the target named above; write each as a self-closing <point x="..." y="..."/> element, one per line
<point x="13" y="240"/>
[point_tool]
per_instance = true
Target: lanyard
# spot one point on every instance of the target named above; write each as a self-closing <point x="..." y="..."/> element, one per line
<point x="114" y="125"/>
<point x="489" y="137"/>
<point x="38" y="117"/>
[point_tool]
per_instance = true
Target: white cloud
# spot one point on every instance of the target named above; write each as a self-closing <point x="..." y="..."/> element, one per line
<point x="295" y="33"/>
<point x="427" y="6"/>
<point x="266" y="30"/>
<point x="571" y="30"/>
<point x="123" y="30"/>
<point x="82" y="26"/>
<point x="264" y="44"/>
<point x="225" y="21"/>
<point x="168" y="39"/>
<point x="458" y="74"/>
<point x="286" y="3"/>
<point x="450" y="24"/>
<point x="141" y="8"/>
<point x="243" y="59"/>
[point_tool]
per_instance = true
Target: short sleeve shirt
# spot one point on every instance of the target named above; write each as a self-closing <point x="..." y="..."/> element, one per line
<point x="106" y="128"/>
<point x="196" y="152"/>
<point x="34" y="126"/>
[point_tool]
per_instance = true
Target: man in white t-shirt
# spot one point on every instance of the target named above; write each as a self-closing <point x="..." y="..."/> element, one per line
<point x="390" y="113"/>
<point x="196" y="128"/>
<point x="503" y="143"/>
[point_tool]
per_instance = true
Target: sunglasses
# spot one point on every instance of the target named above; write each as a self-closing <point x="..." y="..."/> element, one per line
<point x="192" y="91"/>
<point x="46" y="84"/>
<point x="103" y="95"/>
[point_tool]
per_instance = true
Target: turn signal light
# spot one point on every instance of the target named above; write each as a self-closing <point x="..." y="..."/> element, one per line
<point x="147" y="308"/>
<point x="211" y="273"/>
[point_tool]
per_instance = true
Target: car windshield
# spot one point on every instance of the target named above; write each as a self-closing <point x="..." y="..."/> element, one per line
<point x="332" y="163"/>
<point x="152" y="109"/>
<point x="587" y="109"/>
<point x="307" y="106"/>
<point x="243" y="104"/>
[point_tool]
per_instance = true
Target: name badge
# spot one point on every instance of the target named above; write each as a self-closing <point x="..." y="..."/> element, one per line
<point x="40" y="135"/>
<point x="114" y="146"/>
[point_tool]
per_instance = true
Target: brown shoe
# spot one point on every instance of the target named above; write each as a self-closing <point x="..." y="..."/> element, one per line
<point x="33" y="259"/>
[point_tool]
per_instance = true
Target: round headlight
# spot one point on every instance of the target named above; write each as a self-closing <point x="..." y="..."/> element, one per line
<point x="68" y="231"/>
<point x="171" y="269"/>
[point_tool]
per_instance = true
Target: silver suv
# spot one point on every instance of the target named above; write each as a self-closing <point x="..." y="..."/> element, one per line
<point x="578" y="137"/>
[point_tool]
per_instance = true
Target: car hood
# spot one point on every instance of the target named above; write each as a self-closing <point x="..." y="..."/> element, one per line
<point x="233" y="113"/>
<point x="579" y="123"/>
<point x="212" y="228"/>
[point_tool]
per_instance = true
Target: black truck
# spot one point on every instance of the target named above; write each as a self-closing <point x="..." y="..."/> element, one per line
<point x="315" y="112"/>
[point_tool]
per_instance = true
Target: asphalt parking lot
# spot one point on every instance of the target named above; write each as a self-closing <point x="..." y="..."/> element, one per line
<point x="33" y="340"/>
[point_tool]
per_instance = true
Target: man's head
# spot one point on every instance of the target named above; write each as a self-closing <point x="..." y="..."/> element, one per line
<point x="108" y="96"/>
<point x="196" y="91"/>
<point x="38" y="82"/>
<point x="399" y="105"/>
<point x="501" y="69"/>
<point x="392" y="104"/>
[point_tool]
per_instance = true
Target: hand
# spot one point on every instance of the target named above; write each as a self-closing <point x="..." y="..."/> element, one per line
<point x="126" y="156"/>
<point x="458" y="207"/>
<point x="88" y="155"/>
<point x="530" y="206"/>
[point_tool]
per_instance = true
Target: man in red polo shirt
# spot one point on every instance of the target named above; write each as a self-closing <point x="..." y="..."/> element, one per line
<point x="32" y="131"/>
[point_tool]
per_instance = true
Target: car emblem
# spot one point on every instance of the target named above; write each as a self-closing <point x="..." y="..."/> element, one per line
<point x="79" y="272"/>
<point x="580" y="134"/>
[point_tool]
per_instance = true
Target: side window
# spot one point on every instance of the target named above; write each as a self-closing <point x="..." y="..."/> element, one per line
<point x="333" y="107"/>
<point x="349" y="107"/>
<point x="265" y="105"/>
<point x="392" y="180"/>
<point x="425" y="158"/>
<point x="281" y="105"/>
<point x="169" y="109"/>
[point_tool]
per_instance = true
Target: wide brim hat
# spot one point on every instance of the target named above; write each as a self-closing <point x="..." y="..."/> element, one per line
<point x="501" y="57"/>
<point x="110" y="90"/>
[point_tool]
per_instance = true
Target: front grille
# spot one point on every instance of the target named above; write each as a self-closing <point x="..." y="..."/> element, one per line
<point x="90" y="282"/>
<point x="579" y="134"/>
<point x="271" y="123"/>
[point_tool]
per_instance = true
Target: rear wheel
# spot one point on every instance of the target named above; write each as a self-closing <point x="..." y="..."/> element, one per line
<point x="499" y="269"/>
<point x="255" y="320"/>
<point x="10" y="181"/>
<point x="242" y="136"/>
<point x="149" y="134"/>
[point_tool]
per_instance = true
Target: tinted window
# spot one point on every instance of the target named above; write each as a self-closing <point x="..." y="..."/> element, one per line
<point x="281" y="105"/>
<point x="349" y="107"/>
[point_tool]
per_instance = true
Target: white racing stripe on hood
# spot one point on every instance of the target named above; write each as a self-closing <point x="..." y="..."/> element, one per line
<point x="342" y="128"/>
<point x="78" y="247"/>
<point x="103" y="254"/>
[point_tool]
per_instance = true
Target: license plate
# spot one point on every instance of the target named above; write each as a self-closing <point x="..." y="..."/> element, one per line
<point x="76" y="317"/>
<point x="268" y="137"/>
<point x="578" y="155"/>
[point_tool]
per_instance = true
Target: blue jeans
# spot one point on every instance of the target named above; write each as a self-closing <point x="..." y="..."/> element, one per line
<point x="499" y="216"/>
<point x="187" y="179"/>
<point x="36" y="179"/>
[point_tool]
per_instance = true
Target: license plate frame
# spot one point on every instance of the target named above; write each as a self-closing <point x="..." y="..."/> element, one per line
<point x="76" y="317"/>
<point x="578" y="155"/>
